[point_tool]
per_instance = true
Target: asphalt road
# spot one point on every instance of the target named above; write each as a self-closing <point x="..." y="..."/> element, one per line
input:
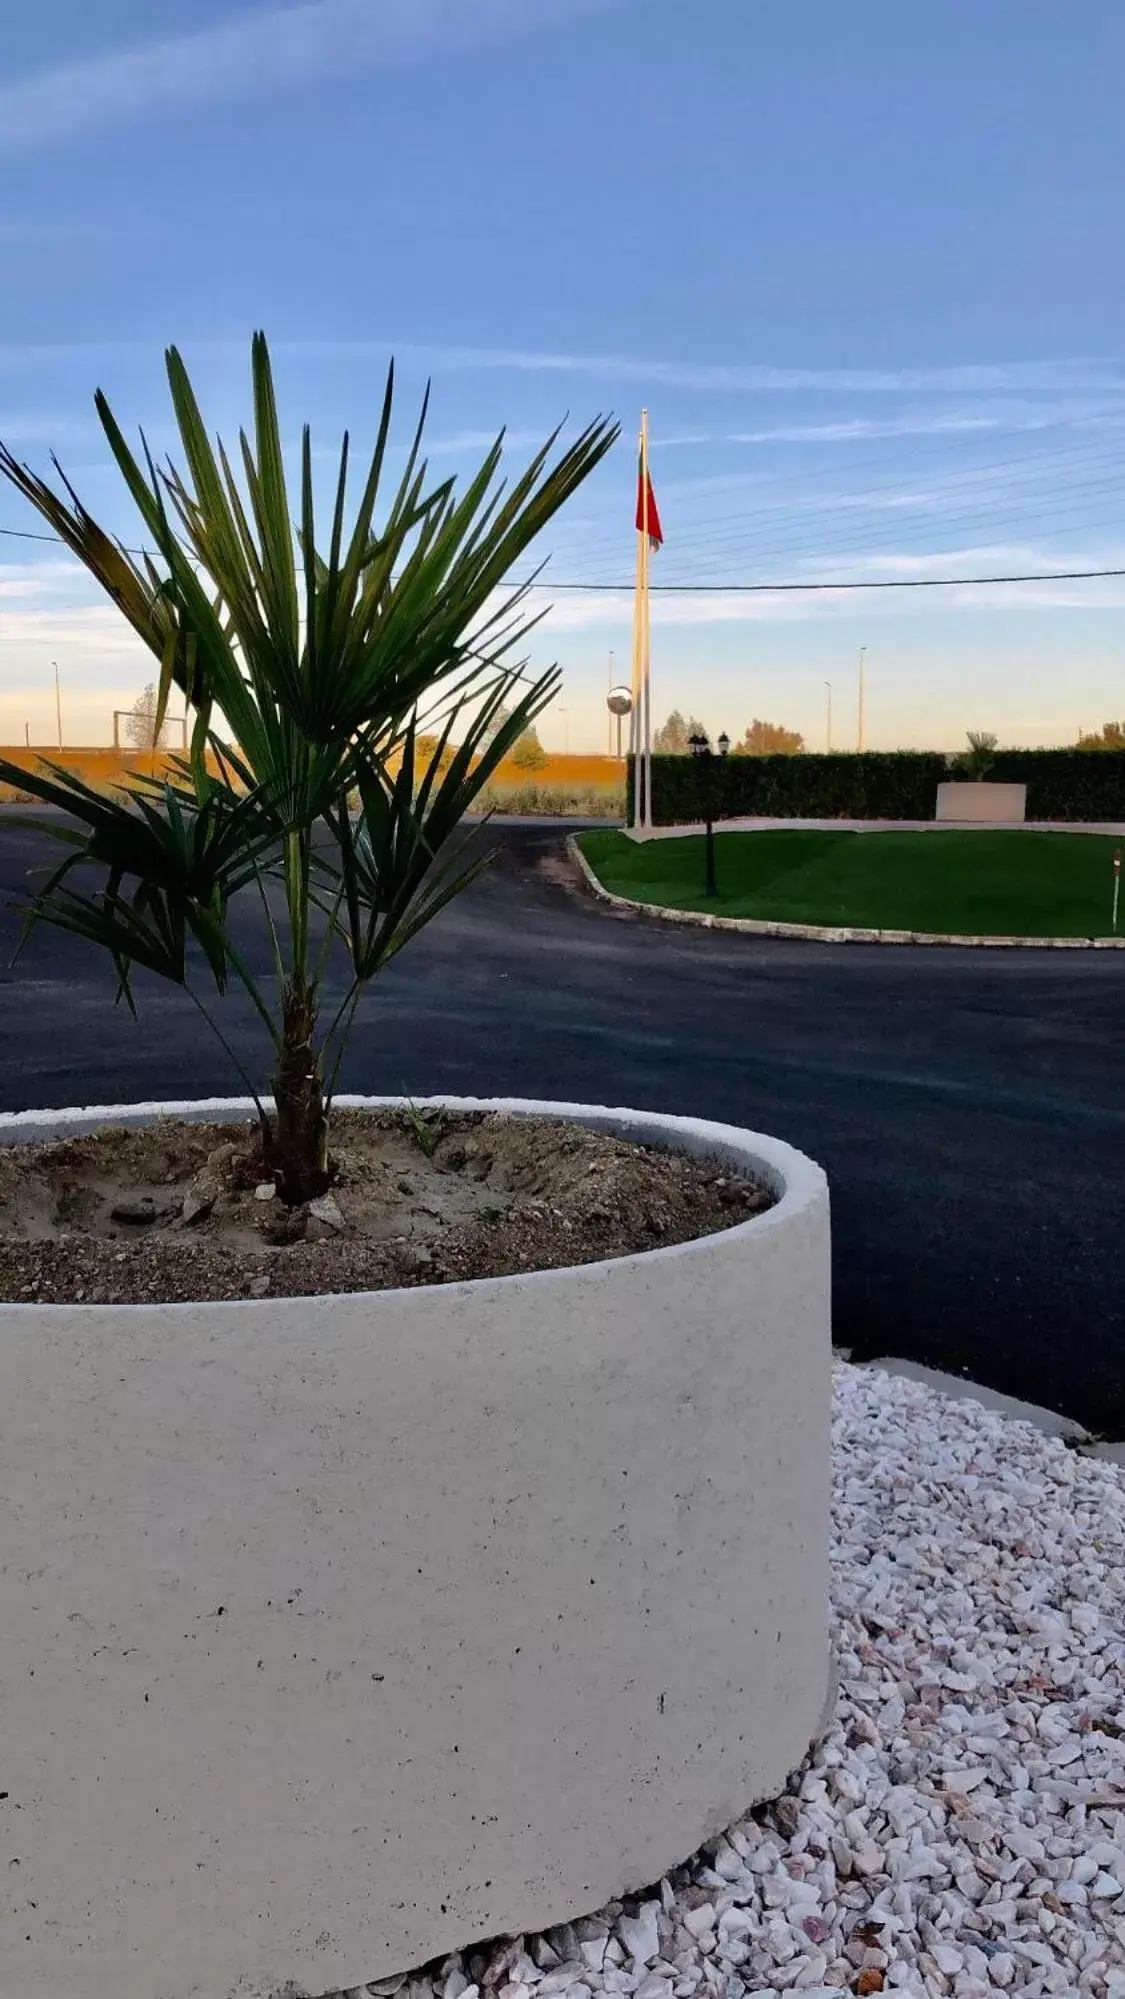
<point x="969" y="1106"/>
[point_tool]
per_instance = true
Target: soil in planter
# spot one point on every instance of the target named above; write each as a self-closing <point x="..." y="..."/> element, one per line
<point x="175" y="1211"/>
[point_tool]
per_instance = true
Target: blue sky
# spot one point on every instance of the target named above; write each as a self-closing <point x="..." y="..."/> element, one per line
<point x="862" y="263"/>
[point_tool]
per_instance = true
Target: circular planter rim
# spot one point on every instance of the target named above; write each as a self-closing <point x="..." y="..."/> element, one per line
<point x="796" y="1180"/>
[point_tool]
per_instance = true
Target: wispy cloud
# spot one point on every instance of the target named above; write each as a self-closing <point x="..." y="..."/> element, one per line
<point x="614" y="614"/>
<point x="975" y="558"/>
<point x="465" y="441"/>
<point x="990" y="378"/>
<point x="1009" y="416"/>
<point x="24" y="581"/>
<point x="611" y="612"/>
<point x="859" y="430"/>
<point x="1087" y="378"/>
<point x="683" y="437"/>
<point x="283" y="49"/>
<point x="104" y="666"/>
<point x="29" y="429"/>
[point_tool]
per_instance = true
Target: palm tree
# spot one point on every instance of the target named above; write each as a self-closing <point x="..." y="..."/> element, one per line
<point x="978" y="759"/>
<point x="324" y="662"/>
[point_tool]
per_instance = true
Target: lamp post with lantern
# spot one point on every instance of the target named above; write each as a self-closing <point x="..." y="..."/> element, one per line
<point x="701" y="748"/>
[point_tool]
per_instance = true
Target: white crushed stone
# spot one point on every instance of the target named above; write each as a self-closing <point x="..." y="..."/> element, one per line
<point x="961" y="1829"/>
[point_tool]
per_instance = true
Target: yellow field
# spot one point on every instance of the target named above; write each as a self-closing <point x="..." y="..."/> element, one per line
<point x="101" y="768"/>
<point x="569" y="776"/>
<point x="562" y="773"/>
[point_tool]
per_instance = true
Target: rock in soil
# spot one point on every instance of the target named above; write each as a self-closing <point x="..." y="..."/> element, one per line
<point x="176" y="1211"/>
<point x="143" y="1208"/>
<point x="327" y="1210"/>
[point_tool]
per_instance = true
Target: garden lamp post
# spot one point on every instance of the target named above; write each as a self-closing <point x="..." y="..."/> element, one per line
<point x="701" y="748"/>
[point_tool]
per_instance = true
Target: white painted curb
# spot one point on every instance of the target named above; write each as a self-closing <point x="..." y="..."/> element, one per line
<point x="338" y="1632"/>
<point x="819" y="933"/>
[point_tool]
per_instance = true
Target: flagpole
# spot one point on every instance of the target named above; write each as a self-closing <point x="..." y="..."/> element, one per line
<point x="635" y="733"/>
<point x="640" y="734"/>
<point x="636" y="719"/>
<point x="646" y="653"/>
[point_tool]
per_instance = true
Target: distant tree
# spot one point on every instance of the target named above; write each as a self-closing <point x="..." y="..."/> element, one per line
<point x="140" y="723"/>
<point x="425" y="750"/>
<point x="1111" y="736"/>
<point x="769" y="739"/>
<point x="529" y="753"/>
<point x="976" y="762"/>
<point x="674" y="738"/>
<point x="493" y="728"/>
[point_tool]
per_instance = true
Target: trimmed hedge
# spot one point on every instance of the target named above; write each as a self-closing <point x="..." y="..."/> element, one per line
<point x="897" y="784"/>
<point x="1066" y="784"/>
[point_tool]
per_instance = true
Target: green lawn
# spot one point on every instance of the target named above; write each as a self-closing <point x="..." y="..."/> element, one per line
<point x="1007" y="884"/>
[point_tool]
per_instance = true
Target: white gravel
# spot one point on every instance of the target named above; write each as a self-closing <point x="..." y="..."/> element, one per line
<point x="961" y="1829"/>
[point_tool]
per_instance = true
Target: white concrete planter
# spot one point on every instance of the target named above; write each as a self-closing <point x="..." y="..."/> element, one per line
<point x="337" y="1632"/>
<point x="975" y="802"/>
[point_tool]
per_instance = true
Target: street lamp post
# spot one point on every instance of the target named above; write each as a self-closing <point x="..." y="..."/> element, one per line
<point x="701" y="748"/>
<point x="828" y="723"/>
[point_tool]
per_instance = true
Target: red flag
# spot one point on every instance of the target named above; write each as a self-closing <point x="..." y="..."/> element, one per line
<point x="647" y="517"/>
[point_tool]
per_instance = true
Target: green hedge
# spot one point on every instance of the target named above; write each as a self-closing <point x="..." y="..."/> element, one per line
<point x="1066" y="784"/>
<point x="897" y="784"/>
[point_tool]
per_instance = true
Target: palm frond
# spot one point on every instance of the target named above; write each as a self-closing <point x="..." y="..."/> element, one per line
<point x="323" y="660"/>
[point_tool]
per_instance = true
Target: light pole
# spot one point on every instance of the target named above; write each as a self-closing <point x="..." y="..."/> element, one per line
<point x="565" y="713"/>
<point x="58" y="700"/>
<point x="701" y="748"/>
<point x="828" y="722"/>
<point x="862" y="698"/>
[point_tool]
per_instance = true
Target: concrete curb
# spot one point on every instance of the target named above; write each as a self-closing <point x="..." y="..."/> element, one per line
<point x="820" y="934"/>
<point x="959" y="1388"/>
<point x="763" y="823"/>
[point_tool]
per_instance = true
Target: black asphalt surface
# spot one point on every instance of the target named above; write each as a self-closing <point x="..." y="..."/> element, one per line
<point x="969" y="1105"/>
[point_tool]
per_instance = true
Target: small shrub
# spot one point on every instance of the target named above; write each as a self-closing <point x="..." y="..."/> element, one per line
<point x="544" y="801"/>
<point x="529" y="753"/>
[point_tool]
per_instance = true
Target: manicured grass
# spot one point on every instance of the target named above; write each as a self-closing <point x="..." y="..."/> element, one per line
<point x="1000" y="884"/>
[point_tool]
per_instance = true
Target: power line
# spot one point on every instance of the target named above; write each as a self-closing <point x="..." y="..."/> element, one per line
<point x="791" y="528"/>
<point x="25" y="534"/>
<point x="881" y="583"/>
<point x="817" y="506"/>
<point x="804" y="535"/>
<point x="908" y="523"/>
<point x="1001" y="508"/>
<point x="749" y="589"/>
<point x="930" y="540"/>
<point x="1036" y="462"/>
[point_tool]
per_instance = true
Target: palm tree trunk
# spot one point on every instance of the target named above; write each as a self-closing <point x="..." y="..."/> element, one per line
<point x="296" y="1149"/>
